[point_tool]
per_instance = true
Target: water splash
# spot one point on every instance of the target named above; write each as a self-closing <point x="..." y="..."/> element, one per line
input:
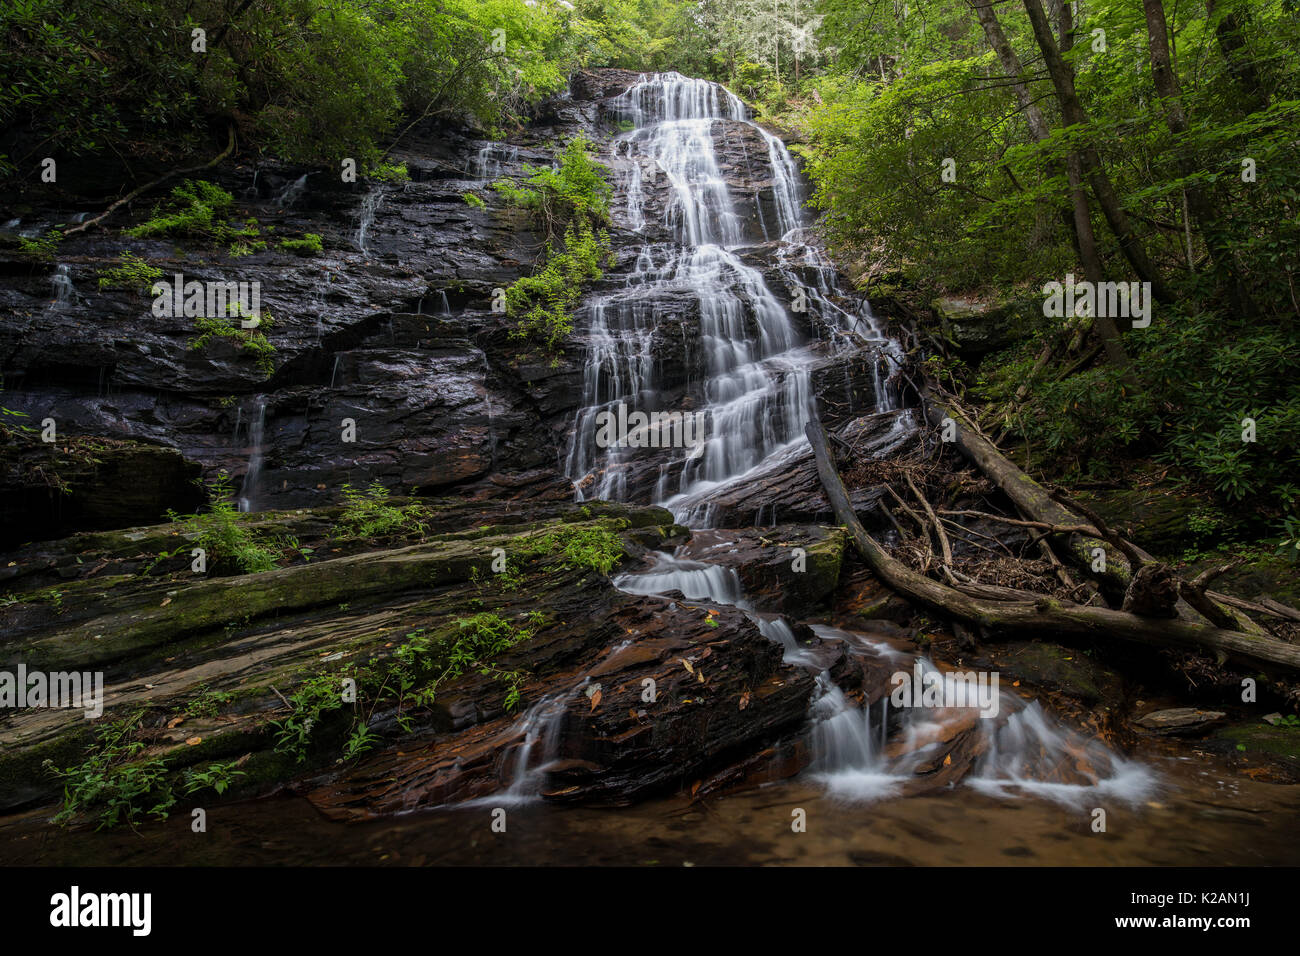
<point x="864" y="754"/>
<point x="65" y="292"/>
<point x="292" y="192"/>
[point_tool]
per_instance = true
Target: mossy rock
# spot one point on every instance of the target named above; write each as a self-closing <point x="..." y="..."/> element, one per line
<point x="976" y="328"/>
<point x="1063" y="669"/>
<point x="1255" y="743"/>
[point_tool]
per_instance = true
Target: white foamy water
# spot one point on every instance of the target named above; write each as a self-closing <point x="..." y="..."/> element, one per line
<point x="754" y="359"/>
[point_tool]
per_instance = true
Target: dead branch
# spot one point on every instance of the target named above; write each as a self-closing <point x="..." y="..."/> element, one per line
<point x="1045" y="614"/>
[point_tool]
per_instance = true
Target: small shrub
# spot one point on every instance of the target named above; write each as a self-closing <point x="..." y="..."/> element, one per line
<point x="367" y="514"/>
<point x="222" y="534"/>
<point x="391" y="173"/>
<point x="197" y="210"/>
<point x="133" y="274"/>
<point x="254" y="342"/>
<point x="41" y="249"/>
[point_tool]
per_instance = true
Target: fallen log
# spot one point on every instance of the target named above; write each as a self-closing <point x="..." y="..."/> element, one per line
<point x="1047" y="615"/>
<point x="1034" y="500"/>
<point x="1122" y="557"/>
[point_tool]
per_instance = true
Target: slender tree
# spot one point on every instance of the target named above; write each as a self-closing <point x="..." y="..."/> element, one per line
<point x="1085" y="240"/>
<point x="1074" y="115"/>
<point x="1199" y="203"/>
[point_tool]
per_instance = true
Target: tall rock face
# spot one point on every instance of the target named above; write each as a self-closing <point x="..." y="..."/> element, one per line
<point x="390" y="364"/>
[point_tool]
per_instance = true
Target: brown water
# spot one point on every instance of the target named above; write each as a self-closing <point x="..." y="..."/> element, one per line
<point x="1201" y="817"/>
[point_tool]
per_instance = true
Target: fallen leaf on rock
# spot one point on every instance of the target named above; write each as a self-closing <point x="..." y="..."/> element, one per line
<point x="194" y="740"/>
<point x="595" y="700"/>
<point x="174" y="721"/>
<point x="687" y="665"/>
<point x="744" y="700"/>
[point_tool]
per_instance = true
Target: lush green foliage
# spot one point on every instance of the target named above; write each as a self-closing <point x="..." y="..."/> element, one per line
<point x="910" y="91"/>
<point x="250" y="340"/>
<point x="570" y="205"/>
<point x="308" y="80"/>
<point x="411" y="676"/>
<point x="222" y="532"/>
<point x="594" y="548"/>
<point x="134" y="274"/>
<point x="367" y="514"/>
<point x="118" y="782"/>
<point x="197" y="209"/>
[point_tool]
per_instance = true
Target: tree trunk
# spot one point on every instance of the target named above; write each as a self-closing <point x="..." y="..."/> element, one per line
<point x="1232" y="44"/>
<point x="1197" y="199"/>
<point x="1085" y="241"/>
<point x="1074" y="115"/>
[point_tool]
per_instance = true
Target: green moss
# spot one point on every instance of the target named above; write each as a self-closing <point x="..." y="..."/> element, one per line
<point x="309" y="245"/>
<point x="1282" y="741"/>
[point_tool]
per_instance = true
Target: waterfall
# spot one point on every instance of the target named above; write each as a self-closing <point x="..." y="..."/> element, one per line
<point x="65" y="293"/>
<point x="256" y="430"/>
<point x="292" y="192"/>
<point x="862" y="754"/>
<point x="750" y="371"/>
<point x="366" y="216"/>
<point x="487" y="162"/>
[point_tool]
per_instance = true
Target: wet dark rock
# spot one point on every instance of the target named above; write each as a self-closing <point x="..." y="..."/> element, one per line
<point x="789" y="491"/>
<point x="165" y="636"/>
<point x="974" y="327"/>
<point x="50" y="490"/>
<point x="790" y="568"/>
<point x="1053" y="667"/>
<point x="1179" y="721"/>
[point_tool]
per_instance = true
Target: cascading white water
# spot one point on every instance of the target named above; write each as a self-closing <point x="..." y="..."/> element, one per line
<point x="366" y="216"/>
<point x="256" y="431"/>
<point x="292" y="192"/>
<point x="862" y="754"/>
<point x="65" y="292"/>
<point x="540" y="732"/>
<point x="753" y="361"/>
<point x="749" y="369"/>
<point x="696" y="580"/>
<point x="486" y="164"/>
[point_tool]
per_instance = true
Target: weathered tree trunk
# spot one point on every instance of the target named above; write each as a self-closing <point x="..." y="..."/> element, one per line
<point x="1047" y="615"/>
<point x="1105" y="325"/>
<point x="1085" y="240"/>
<point x="1197" y="198"/>
<point x="1230" y="33"/>
<point x="1074" y="115"/>
<point x="1031" y="498"/>
<point x="1079" y="549"/>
